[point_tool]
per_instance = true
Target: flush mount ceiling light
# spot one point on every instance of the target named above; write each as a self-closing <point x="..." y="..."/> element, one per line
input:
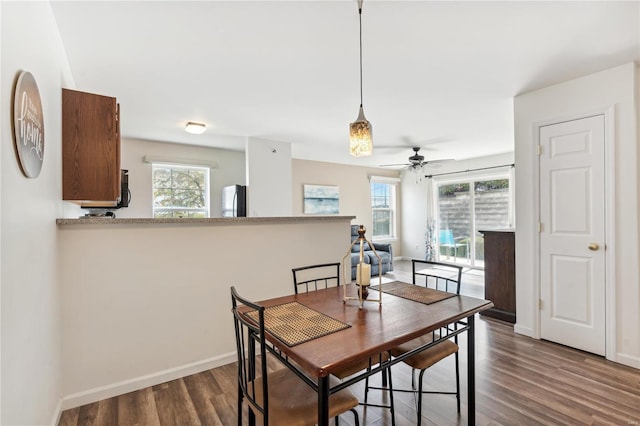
<point x="360" y="131"/>
<point x="195" y="128"/>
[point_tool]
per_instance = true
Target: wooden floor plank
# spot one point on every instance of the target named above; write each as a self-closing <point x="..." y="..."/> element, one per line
<point x="202" y="389"/>
<point x="174" y="404"/>
<point x="107" y="414"/>
<point x="139" y="408"/>
<point x="69" y="417"/>
<point x="87" y="414"/>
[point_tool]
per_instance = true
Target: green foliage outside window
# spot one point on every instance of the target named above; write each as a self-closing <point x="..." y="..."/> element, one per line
<point x="479" y="186"/>
<point x="453" y="189"/>
<point x="491" y="185"/>
<point x="180" y="192"/>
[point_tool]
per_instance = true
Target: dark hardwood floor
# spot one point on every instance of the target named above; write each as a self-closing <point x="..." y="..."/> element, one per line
<point x="519" y="381"/>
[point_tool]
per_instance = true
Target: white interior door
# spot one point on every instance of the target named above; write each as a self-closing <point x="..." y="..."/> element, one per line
<point x="572" y="236"/>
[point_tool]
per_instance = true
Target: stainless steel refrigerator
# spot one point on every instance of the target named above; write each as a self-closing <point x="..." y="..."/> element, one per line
<point x="234" y="201"/>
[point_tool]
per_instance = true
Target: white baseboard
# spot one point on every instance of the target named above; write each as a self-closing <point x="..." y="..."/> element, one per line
<point x="628" y="360"/>
<point x="56" y="414"/>
<point x="130" y="385"/>
<point x="523" y="330"/>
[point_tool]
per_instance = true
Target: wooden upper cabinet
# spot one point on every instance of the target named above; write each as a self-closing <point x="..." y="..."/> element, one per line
<point x="90" y="149"/>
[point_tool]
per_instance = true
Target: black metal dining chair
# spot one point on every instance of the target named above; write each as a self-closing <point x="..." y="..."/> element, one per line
<point x="314" y="277"/>
<point x="325" y="275"/>
<point x="278" y="397"/>
<point x="444" y="277"/>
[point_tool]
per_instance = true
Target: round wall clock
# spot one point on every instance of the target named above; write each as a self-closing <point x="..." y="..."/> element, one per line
<point x="28" y="125"/>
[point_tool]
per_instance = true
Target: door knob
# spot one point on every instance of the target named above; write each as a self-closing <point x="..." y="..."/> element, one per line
<point x="594" y="246"/>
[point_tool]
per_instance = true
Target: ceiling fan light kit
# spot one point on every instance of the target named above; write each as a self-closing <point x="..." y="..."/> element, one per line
<point x="416" y="162"/>
<point x="361" y="130"/>
<point x="416" y="159"/>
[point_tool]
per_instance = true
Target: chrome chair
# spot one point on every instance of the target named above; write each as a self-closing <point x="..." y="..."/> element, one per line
<point x="445" y="277"/>
<point x="314" y="277"/>
<point x="279" y="397"/>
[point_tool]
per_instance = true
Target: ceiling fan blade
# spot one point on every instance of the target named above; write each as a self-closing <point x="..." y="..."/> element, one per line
<point x="436" y="164"/>
<point x="444" y="160"/>
<point x="394" y="165"/>
<point x="432" y="165"/>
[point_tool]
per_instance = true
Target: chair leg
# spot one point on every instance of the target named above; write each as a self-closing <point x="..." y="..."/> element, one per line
<point x="457" y="381"/>
<point x="391" y="404"/>
<point x="387" y="384"/>
<point x="252" y="417"/>
<point x="413" y="378"/>
<point x="356" y="419"/>
<point x="366" y="389"/>
<point x="239" y="406"/>
<point x="419" y="408"/>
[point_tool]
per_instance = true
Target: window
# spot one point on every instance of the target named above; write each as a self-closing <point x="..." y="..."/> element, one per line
<point x="383" y="207"/>
<point x="464" y="208"/>
<point x="180" y="191"/>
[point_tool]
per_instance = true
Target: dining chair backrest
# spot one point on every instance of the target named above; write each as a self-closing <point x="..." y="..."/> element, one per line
<point x="250" y="344"/>
<point x="438" y="275"/>
<point x="314" y="277"/>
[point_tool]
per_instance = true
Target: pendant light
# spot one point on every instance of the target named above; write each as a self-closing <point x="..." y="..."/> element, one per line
<point x="360" y="131"/>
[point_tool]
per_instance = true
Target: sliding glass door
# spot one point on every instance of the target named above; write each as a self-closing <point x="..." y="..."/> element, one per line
<point x="455" y="222"/>
<point x="465" y="207"/>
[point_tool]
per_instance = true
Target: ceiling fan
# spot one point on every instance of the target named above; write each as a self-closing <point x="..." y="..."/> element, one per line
<point x="416" y="161"/>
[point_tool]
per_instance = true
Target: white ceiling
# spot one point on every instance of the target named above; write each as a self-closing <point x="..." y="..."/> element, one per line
<point x="441" y="75"/>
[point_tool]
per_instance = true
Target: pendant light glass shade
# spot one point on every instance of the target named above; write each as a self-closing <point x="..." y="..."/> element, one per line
<point x="361" y="136"/>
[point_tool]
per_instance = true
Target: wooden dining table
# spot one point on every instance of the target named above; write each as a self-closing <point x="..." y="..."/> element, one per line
<point x="369" y="331"/>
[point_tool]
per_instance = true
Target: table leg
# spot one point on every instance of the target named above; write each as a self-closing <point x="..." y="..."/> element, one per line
<point x="323" y="401"/>
<point x="471" y="371"/>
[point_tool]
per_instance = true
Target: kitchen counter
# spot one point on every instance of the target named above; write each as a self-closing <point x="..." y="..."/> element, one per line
<point x="96" y="220"/>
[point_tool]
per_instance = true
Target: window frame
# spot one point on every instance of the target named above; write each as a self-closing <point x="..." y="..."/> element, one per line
<point x="392" y="183"/>
<point x="207" y="190"/>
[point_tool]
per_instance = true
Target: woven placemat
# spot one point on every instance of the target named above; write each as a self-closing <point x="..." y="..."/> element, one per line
<point x="414" y="292"/>
<point x="293" y="323"/>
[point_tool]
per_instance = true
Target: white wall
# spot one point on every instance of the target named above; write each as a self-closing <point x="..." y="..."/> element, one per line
<point x="355" y="190"/>
<point x="2" y="136"/>
<point x="157" y="307"/>
<point x="30" y="292"/>
<point x="415" y="199"/>
<point x="269" y="178"/>
<point x="230" y="170"/>
<point x="617" y="89"/>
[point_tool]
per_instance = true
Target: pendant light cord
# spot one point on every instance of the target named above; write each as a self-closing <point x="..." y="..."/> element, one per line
<point x="360" y="17"/>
